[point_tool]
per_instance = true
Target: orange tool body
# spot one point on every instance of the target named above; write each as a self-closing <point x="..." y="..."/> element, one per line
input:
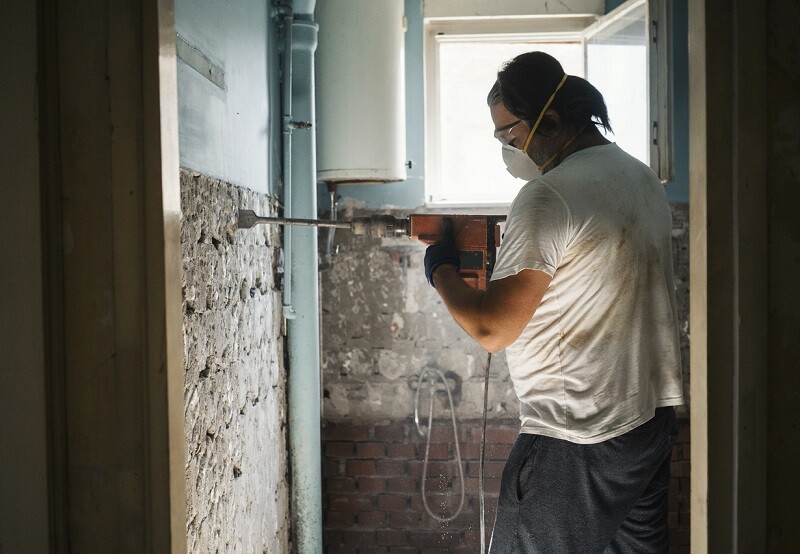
<point x="477" y="238"/>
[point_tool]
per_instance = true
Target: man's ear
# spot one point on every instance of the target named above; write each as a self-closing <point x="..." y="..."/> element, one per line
<point x="551" y="124"/>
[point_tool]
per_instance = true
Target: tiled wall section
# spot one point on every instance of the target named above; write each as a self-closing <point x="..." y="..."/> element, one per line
<point x="373" y="482"/>
<point x="235" y="409"/>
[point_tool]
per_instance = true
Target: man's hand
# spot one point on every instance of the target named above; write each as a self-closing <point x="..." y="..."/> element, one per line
<point x="442" y="252"/>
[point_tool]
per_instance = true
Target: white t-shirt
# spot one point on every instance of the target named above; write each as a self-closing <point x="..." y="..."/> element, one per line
<point x="602" y="351"/>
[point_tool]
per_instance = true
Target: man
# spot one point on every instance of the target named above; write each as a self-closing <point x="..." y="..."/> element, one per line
<point x="582" y="299"/>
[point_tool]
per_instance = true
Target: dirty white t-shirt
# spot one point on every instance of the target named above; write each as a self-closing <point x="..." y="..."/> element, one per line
<point x="601" y="353"/>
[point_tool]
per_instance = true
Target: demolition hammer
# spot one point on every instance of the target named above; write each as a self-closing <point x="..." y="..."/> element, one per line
<point x="476" y="236"/>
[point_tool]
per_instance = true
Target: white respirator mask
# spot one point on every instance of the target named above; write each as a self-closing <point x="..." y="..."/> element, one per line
<point x="517" y="161"/>
<point x="519" y="164"/>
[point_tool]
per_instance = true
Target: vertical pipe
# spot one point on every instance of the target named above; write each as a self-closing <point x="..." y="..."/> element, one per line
<point x="303" y="330"/>
<point x="287" y="18"/>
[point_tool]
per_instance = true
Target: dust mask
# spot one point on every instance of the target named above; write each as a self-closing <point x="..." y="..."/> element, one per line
<point x="519" y="164"/>
<point x="517" y="161"/>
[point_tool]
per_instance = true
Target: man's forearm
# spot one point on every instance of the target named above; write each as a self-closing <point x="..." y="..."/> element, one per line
<point x="495" y="318"/>
<point x="465" y="304"/>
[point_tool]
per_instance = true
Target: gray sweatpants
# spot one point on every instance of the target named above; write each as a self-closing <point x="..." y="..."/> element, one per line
<point x="561" y="497"/>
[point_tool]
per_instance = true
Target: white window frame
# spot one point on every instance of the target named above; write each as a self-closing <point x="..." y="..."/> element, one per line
<point x="659" y="54"/>
<point x="547" y="29"/>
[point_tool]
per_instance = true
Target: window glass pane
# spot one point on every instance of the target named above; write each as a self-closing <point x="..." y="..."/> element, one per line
<point x="616" y="62"/>
<point x="470" y="168"/>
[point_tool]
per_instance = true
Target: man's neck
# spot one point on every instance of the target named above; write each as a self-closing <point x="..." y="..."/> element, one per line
<point x="587" y="138"/>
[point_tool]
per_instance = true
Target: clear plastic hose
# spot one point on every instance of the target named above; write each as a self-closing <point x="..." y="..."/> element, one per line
<point x="433" y="380"/>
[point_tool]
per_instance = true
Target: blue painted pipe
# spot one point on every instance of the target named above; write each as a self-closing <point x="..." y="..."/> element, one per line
<point x="303" y="330"/>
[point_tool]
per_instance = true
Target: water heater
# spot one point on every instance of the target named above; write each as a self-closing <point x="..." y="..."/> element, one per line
<point x="360" y="91"/>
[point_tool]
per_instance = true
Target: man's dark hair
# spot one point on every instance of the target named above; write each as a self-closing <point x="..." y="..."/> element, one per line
<point x="525" y="83"/>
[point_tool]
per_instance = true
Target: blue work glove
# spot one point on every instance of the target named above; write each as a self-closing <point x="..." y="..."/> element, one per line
<point x="442" y="252"/>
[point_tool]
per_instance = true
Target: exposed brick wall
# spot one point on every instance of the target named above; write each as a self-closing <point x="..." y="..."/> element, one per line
<point x="373" y="475"/>
<point x="680" y="264"/>
<point x="680" y="468"/>
<point x="235" y="410"/>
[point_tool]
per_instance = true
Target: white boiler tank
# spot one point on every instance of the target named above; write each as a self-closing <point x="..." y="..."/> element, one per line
<point x="360" y="91"/>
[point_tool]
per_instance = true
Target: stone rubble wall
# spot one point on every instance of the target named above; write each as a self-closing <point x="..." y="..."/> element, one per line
<point x="235" y="408"/>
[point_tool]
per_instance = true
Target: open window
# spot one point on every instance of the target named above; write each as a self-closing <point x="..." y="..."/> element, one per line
<point x="625" y="54"/>
<point x="627" y="58"/>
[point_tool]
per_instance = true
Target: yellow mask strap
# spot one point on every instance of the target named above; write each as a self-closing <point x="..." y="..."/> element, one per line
<point x="541" y="114"/>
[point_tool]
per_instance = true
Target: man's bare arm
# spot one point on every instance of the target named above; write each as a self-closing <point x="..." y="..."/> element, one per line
<point x="496" y="317"/>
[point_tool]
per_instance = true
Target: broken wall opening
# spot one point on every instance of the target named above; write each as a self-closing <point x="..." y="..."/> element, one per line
<point x="381" y="324"/>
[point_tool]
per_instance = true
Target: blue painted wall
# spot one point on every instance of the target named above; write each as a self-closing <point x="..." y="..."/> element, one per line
<point x="678" y="189"/>
<point x="231" y="134"/>
<point x="411" y="193"/>
<point x="613" y="4"/>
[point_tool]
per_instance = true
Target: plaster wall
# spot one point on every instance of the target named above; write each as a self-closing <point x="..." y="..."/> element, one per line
<point x="227" y="132"/>
<point x="235" y="408"/>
